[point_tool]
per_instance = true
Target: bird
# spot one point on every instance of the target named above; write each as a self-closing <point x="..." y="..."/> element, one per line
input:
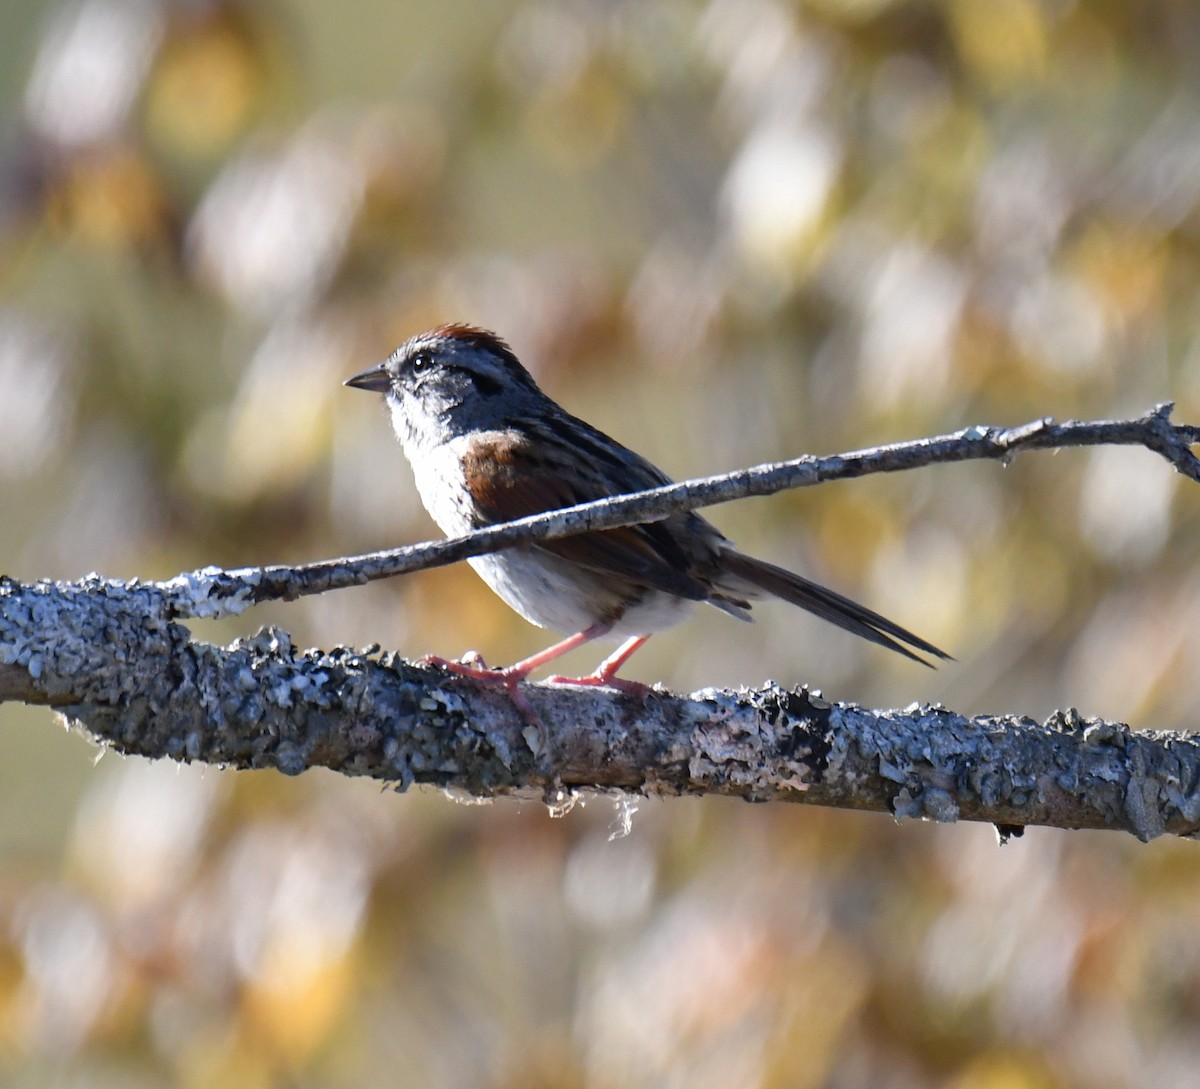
<point x="487" y="445"/>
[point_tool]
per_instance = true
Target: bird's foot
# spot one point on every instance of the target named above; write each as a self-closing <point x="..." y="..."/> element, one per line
<point x="600" y="679"/>
<point x="473" y="667"/>
<point x="605" y="674"/>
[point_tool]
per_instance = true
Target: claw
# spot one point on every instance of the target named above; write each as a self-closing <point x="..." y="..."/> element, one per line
<point x="471" y="658"/>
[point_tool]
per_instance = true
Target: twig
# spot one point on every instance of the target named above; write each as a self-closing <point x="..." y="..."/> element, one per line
<point x="212" y="591"/>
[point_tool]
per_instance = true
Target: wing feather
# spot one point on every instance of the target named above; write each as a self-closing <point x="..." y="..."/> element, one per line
<point x="508" y="478"/>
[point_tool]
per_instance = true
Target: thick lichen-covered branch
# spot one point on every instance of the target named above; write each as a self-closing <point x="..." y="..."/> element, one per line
<point x="109" y="657"/>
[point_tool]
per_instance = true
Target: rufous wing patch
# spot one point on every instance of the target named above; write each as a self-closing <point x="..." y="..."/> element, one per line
<point x="507" y="480"/>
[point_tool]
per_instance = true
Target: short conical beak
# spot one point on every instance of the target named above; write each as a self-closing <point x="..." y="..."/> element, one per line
<point x="374" y="379"/>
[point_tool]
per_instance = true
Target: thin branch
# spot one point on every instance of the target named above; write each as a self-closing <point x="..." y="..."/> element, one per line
<point x="212" y="591"/>
<point x="108" y="658"/>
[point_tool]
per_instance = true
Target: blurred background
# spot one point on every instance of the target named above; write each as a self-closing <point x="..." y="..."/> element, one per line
<point x="727" y="231"/>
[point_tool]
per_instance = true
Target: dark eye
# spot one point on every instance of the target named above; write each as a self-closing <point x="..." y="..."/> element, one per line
<point x="421" y="361"/>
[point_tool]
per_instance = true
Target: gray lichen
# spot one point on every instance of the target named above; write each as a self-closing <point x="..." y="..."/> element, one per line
<point x="115" y="660"/>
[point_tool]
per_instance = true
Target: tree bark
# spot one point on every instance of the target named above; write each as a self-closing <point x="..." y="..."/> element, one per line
<point x="113" y="659"/>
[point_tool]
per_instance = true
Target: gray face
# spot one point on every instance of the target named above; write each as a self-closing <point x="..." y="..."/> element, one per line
<point x="453" y="379"/>
<point x="465" y="383"/>
<point x="443" y="373"/>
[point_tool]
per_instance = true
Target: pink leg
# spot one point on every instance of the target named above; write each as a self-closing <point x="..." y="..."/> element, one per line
<point x="513" y="675"/>
<point x="606" y="672"/>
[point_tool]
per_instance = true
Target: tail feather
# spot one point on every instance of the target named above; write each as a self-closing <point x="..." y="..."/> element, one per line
<point x="829" y="605"/>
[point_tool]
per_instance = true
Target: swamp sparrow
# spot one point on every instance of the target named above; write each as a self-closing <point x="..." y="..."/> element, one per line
<point x="487" y="445"/>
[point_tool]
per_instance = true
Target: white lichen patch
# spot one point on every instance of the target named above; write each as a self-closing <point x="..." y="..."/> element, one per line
<point x="195" y="593"/>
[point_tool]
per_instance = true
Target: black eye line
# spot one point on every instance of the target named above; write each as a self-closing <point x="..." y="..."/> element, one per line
<point x="485" y="384"/>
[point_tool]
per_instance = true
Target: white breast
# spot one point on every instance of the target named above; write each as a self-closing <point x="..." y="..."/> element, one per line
<point x="437" y="469"/>
<point x="440" y="483"/>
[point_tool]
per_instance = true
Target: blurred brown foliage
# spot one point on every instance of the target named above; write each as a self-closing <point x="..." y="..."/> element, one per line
<point x="727" y="232"/>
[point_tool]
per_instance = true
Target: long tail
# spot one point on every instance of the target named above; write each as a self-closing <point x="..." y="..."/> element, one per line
<point x="829" y="606"/>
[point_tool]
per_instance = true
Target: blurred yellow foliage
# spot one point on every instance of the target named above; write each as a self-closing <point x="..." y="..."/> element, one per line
<point x="206" y="87"/>
<point x="111" y="198"/>
<point x="1003" y="43"/>
<point x="726" y="231"/>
